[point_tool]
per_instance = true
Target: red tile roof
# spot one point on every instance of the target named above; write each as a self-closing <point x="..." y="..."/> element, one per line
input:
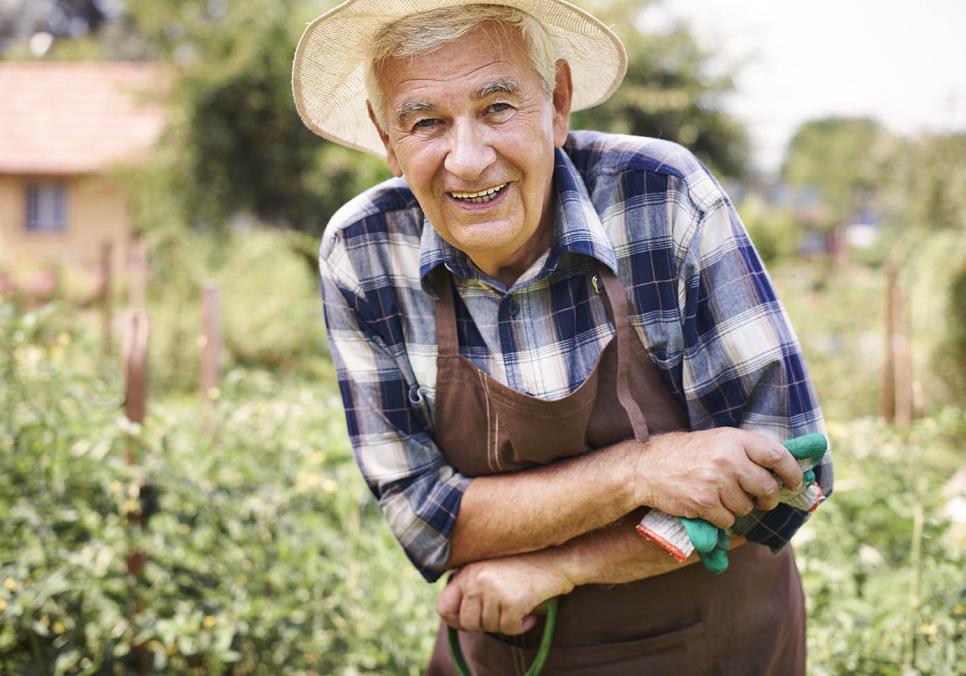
<point x="68" y="118"/>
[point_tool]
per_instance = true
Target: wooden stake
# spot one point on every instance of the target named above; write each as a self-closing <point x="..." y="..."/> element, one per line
<point x="134" y="354"/>
<point x="889" y="368"/>
<point x="138" y="273"/>
<point x="135" y="359"/>
<point x="104" y="294"/>
<point x="897" y="404"/>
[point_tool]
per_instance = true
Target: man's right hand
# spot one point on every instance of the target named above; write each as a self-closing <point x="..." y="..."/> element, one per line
<point x="717" y="475"/>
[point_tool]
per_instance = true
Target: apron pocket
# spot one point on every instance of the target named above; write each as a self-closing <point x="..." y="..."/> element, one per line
<point x="678" y="651"/>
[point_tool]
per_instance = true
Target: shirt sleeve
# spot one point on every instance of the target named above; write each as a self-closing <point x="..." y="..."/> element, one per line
<point x="419" y="494"/>
<point x="742" y="365"/>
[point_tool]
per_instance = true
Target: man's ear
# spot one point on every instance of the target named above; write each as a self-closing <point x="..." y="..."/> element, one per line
<point x="562" y="97"/>
<point x="390" y="155"/>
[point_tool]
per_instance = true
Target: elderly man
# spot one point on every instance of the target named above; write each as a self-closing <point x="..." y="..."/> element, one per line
<point x="541" y="334"/>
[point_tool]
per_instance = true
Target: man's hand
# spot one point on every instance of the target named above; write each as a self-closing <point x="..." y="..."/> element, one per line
<point x="680" y="536"/>
<point x="500" y="595"/>
<point x="717" y="475"/>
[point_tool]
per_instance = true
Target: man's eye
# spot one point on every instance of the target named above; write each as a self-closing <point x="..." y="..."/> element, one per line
<point x="426" y="123"/>
<point x="499" y="107"/>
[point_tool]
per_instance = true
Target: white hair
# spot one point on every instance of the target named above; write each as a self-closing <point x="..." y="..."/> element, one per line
<point x="426" y="32"/>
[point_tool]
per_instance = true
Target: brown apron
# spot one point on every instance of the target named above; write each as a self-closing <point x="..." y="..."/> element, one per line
<point x="750" y="620"/>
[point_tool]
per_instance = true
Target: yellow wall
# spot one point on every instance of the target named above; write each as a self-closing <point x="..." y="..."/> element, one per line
<point x="96" y="211"/>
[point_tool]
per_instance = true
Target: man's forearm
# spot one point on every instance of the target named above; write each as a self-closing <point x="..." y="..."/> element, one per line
<point x="713" y="474"/>
<point x="500" y="594"/>
<point x="534" y="509"/>
<point x="615" y="555"/>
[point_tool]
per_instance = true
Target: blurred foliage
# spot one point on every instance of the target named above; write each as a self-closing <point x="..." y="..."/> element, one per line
<point x="951" y="355"/>
<point x="240" y="149"/>
<point x="915" y="189"/>
<point x="59" y="18"/>
<point x="271" y="316"/>
<point x="924" y="203"/>
<point x="883" y="567"/>
<point x="930" y="277"/>
<point x="668" y="92"/>
<point x="838" y="320"/>
<point x="925" y="188"/>
<point x="772" y="229"/>
<point x="844" y="158"/>
<point x="266" y="554"/>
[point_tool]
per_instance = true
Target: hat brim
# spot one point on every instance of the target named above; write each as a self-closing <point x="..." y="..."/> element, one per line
<point x="328" y="73"/>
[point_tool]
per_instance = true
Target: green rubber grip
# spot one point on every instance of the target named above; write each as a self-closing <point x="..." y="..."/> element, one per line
<point x="456" y="653"/>
<point x="807" y="447"/>
<point x="704" y="536"/>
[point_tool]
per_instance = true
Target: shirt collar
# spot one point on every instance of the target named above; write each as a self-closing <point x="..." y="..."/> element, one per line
<point x="577" y="230"/>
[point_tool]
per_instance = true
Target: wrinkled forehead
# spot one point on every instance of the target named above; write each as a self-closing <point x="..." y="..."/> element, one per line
<point x="464" y="65"/>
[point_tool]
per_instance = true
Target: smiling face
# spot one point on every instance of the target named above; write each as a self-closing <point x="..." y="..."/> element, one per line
<point x="472" y="129"/>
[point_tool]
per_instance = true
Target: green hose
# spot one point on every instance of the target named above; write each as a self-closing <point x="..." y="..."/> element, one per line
<point x="544" y="650"/>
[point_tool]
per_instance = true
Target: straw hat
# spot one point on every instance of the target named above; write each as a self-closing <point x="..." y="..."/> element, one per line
<point x="330" y="61"/>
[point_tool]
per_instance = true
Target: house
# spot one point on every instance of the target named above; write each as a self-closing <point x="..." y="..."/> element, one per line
<point x="65" y="128"/>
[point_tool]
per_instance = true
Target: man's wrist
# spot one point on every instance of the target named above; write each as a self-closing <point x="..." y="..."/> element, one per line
<point x="631" y="479"/>
<point x="640" y="481"/>
<point x="558" y="561"/>
<point x="595" y="557"/>
<point x="568" y="561"/>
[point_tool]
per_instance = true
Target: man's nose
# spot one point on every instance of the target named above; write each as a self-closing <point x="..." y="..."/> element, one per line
<point x="470" y="151"/>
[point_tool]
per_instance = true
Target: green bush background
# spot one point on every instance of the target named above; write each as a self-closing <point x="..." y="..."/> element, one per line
<point x="267" y="554"/>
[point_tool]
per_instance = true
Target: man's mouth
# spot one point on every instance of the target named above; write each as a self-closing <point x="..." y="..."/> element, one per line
<point x="480" y="197"/>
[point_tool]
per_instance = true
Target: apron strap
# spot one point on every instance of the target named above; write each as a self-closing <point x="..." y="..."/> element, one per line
<point x="447" y="342"/>
<point x="616" y="302"/>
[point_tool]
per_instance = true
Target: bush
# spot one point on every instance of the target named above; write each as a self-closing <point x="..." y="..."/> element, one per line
<point x="266" y="554"/>
<point x="884" y="571"/>
<point x="270" y="305"/>
<point x="839" y="323"/>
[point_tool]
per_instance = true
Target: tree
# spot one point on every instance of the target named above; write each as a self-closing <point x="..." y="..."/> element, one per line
<point x="924" y="201"/>
<point x="60" y="18"/>
<point x="668" y="92"/>
<point x="841" y="157"/>
<point x="242" y="149"/>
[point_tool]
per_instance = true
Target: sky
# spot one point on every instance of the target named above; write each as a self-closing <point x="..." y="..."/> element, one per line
<point x="901" y="62"/>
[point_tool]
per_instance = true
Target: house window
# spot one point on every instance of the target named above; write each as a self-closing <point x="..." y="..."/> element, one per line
<point x="46" y="207"/>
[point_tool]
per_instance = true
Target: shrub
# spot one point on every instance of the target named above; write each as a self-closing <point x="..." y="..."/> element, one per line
<point x="884" y="572"/>
<point x="265" y="555"/>
<point x="270" y="305"/>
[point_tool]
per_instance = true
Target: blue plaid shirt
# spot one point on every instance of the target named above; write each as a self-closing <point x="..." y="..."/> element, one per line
<point x="699" y="300"/>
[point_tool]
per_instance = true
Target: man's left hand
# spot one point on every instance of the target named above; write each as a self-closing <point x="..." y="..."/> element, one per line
<point x="500" y="595"/>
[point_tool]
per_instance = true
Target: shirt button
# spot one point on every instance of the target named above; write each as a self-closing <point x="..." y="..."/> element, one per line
<point x="513" y="308"/>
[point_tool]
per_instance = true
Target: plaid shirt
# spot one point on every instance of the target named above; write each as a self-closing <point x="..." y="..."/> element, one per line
<point x="699" y="300"/>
